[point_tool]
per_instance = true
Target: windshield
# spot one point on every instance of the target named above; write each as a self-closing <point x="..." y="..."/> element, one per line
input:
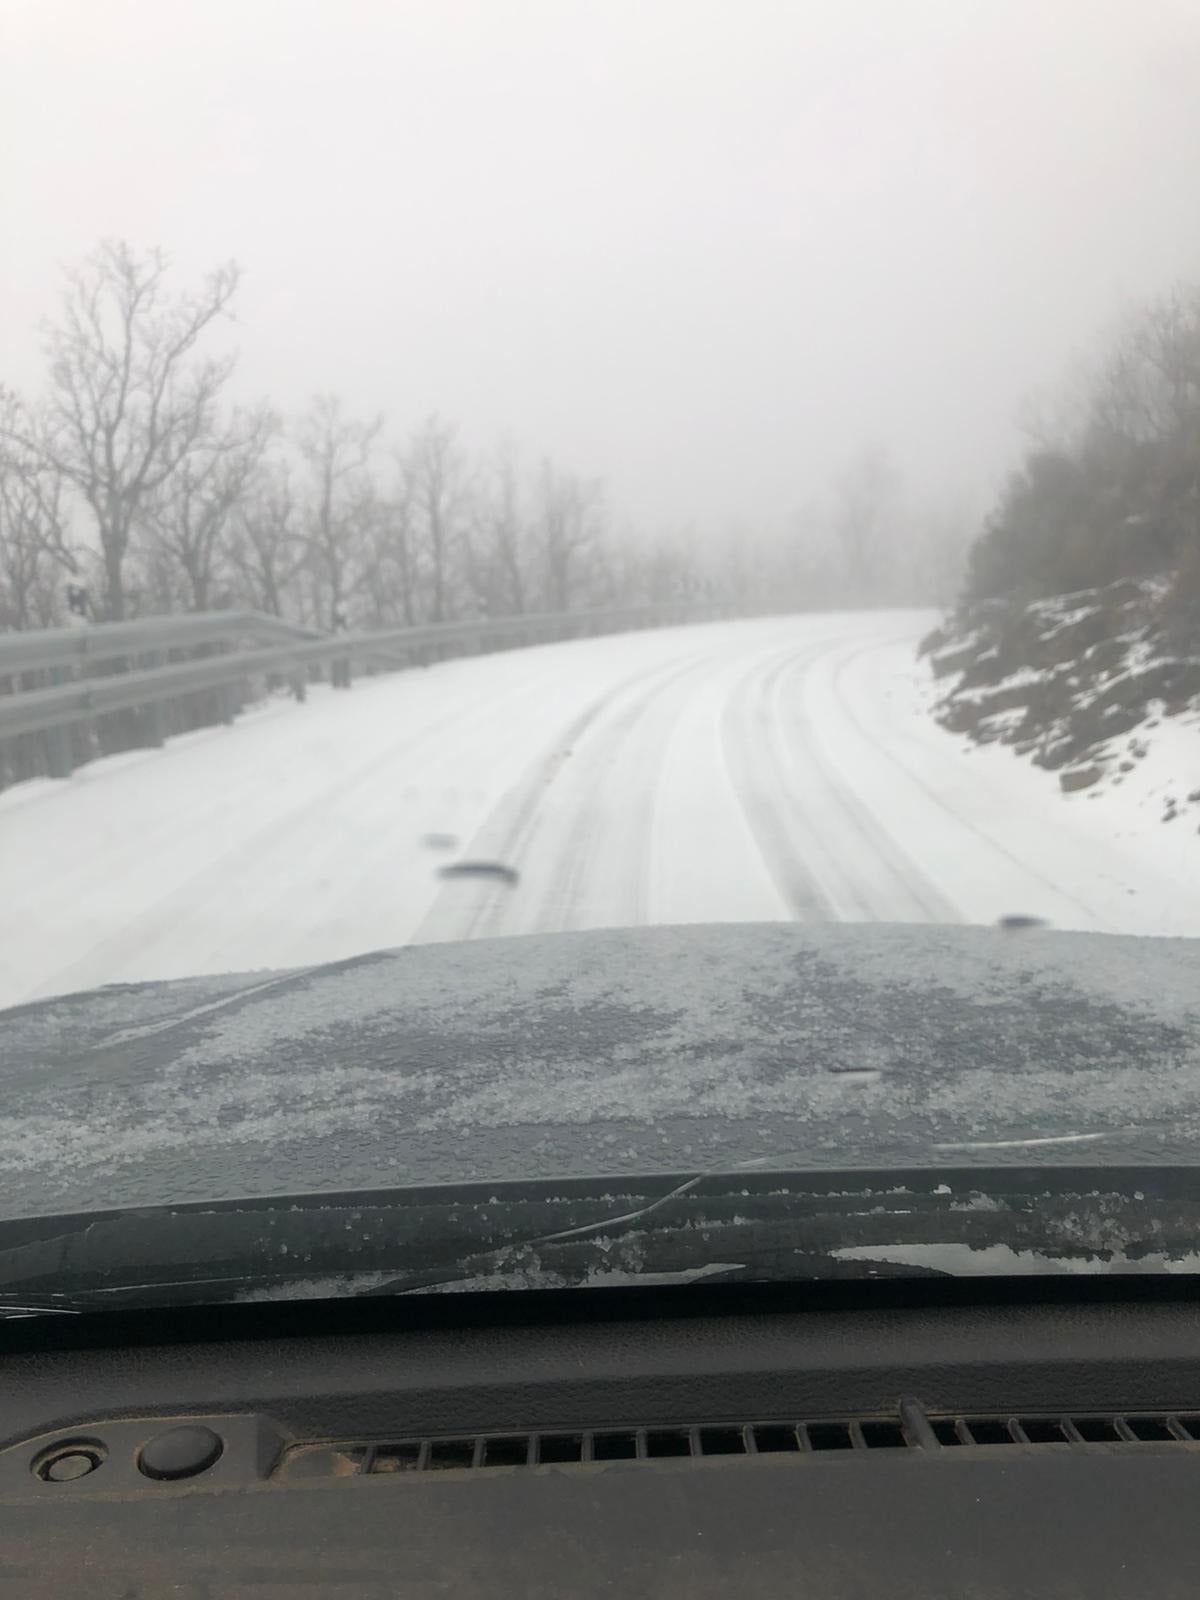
<point x="590" y="592"/>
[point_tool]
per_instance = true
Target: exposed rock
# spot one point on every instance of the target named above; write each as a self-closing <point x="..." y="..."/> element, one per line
<point x="947" y="661"/>
<point x="1060" y="679"/>
<point x="1079" y="778"/>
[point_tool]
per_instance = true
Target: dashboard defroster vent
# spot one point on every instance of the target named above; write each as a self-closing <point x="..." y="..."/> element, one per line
<point x="911" y="1428"/>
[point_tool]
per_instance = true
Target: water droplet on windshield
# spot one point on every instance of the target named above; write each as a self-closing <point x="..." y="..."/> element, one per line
<point x="495" y="870"/>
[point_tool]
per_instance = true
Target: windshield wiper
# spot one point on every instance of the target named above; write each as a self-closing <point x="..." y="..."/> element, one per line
<point x="622" y="1248"/>
<point x="774" y="1226"/>
<point x="13" y="1309"/>
<point x="557" y="1232"/>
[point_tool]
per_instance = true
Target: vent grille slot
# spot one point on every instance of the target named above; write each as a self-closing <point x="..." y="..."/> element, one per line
<point x="912" y="1430"/>
<point x="1074" y="1430"/>
<point x="557" y="1447"/>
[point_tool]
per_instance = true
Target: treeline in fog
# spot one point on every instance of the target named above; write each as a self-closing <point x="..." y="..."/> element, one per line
<point x="132" y="483"/>
<point x="1109" y="487"/>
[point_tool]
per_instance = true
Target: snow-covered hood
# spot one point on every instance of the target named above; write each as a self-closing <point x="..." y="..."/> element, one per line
<point x="657" y="1049"/>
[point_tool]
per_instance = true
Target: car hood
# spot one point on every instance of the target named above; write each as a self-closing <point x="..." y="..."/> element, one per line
<point x="657" y="1049"/>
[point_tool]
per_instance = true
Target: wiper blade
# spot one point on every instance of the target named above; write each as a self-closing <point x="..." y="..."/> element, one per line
<point x="622" y="1247"/>
<point x="594" y="1269"/>
<point x="14" y="1306"/>
<point x="774" y="1226"/>
<point x="464" y="1270"/>
<point x="201" y="1252"/>
<point x="421" y="1240"/>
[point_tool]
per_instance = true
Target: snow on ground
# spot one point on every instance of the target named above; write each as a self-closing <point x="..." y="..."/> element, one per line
<point x="1110" y="857"/>
<point x="1152" y="778"/>
<point x="1143" y="813"/>
<point x="757" y="770"/>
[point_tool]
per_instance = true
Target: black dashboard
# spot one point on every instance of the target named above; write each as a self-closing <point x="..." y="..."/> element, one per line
<point x="966" y="1438"/>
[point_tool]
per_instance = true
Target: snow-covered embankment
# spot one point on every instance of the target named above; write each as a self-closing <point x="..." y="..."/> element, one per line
<point x="1091" y="686"/>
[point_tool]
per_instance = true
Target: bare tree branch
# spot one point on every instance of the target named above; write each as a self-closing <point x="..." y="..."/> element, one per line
<point x="128" y="404"/>
<point x="438" y="489"/>
<point x="189" y="516"/>
<point x="343" y="503"/>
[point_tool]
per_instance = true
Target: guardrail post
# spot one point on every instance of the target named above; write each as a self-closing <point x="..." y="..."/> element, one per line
<point x="156" y="720"/>
<point x="60" y="756"/>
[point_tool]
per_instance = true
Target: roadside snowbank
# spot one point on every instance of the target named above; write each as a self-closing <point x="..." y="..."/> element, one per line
<point x="1088" y="686"/>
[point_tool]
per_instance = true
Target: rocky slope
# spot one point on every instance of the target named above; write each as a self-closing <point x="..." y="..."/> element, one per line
<point x="1084" y="684"/>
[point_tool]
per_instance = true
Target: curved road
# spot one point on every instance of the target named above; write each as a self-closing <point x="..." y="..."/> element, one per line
<point x="760" y="770"/>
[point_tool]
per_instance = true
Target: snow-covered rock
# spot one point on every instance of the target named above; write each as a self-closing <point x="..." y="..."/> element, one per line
<point x="1089" y="685"/>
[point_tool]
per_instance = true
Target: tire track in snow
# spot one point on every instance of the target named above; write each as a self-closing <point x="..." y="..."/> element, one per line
<point x="584" y="851"/>
<point x="826" y="847"/>
<point x="516" y="831"/>
<point x="703" y="858"/>
<point x="877" y="871"/>
<point x="621" y="799"/>
<point x="751" y="741"/>
<point x="841" y="665"/>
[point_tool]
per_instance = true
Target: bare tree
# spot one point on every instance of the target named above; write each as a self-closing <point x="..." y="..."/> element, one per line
<point x="569" y="522"/>
<point x="1146" y="387"/>
<point x="438" y="492"/>
<point x="189" y="518"/>
<point x="673" y="570"/>
<point x="29" y="575"/>
<point x="500" y="557"/>
<point x="342" y="505"/>
<point x="391" y="568"/>
<point x="36" y="550"/>
<point x="864" y="521"/>
<point x="129" y="399"/>
<point x="265" y="544"/>
<point x="155" y="583"/>
<point x="938" y="549"/>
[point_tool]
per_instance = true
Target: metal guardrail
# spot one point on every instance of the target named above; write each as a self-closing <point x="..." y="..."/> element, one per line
<point x="44" y="710"/>
<point x="109" y="641"/>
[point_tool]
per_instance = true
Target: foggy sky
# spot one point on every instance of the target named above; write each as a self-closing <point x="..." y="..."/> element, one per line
<point x="704" y="248"/>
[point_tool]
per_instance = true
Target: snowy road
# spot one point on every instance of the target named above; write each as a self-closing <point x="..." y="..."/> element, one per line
<point x="760" y="770"/>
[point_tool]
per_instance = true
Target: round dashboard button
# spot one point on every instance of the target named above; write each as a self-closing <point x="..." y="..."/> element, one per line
<point x="180" y="1452"/>
<point x="70" y="1465"/>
